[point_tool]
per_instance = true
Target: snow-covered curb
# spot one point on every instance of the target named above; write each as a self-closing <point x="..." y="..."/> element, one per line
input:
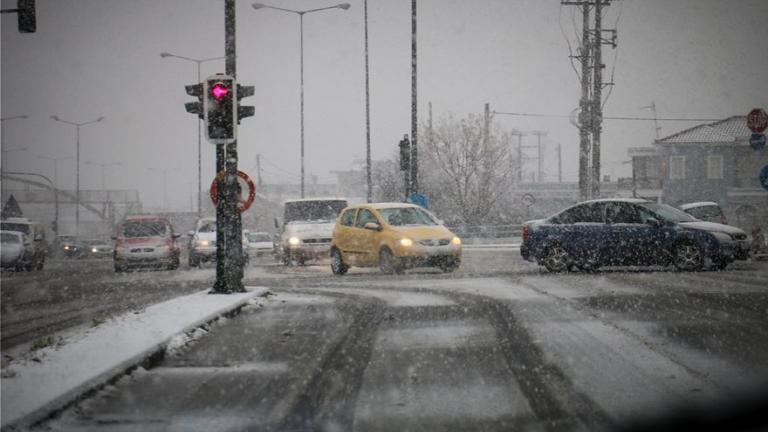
<point x="35" y="389"/>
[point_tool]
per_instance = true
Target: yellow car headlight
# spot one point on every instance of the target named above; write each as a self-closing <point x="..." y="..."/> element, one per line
<point x="406" y="242"/>
<point x="293" y="241"/>
<point x="456" y="241"/>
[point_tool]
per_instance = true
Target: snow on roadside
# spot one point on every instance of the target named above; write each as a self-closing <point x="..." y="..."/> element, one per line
<point x="62" y="372"/>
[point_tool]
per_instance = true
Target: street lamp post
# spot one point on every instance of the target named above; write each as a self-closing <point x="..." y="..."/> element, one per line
<point x="199" y="139"/>
<point x="77" y="163"/>
<point x="301" y="14"/>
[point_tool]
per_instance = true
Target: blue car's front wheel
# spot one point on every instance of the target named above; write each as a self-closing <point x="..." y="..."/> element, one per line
<point x="688" y="257"/>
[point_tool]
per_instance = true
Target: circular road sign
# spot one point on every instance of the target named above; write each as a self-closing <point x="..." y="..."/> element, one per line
<point x="528" y="200"/>
<point x="245" y="182"/>
<point x="757" y="120"/>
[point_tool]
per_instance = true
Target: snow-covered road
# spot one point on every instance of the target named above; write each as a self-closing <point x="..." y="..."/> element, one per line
<point x="516" y="349"/>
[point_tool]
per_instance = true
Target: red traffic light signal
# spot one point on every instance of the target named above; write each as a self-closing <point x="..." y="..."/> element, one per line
<point x="220" y="109"/>
<point x="219" y="91"/>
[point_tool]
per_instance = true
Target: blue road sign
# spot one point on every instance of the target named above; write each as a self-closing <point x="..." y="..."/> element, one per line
<point x="757" y="141"/>
<point x="764" y="177"/>
<point x="418" y="199"/>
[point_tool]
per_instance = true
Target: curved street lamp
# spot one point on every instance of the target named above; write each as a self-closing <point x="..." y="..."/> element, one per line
<point x="301" y="14"/>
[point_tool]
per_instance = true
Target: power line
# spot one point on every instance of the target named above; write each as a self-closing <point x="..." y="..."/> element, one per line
<point x="627" y="118"/>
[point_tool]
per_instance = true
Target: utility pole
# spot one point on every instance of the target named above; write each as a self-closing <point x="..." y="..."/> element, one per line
<point x="540" y="160"/>
<point x="368" y="169"/>
<point x="258" y="169"/>
<point x="597" y="98"/>
<point x="591" y="116"/>
<point x="559" y="163"/>
<point x="414" y="107"/>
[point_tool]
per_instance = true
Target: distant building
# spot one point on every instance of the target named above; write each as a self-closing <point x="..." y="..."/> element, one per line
<point x="708" y="162"/>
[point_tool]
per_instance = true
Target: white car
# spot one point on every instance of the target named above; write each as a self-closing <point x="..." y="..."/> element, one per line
<point x="259" y="243"/>
<point x="16" y="251"/>
<point x="202" y="242"/>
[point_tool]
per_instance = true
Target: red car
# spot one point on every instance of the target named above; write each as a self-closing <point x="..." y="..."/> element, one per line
<point x="146" y="241"/>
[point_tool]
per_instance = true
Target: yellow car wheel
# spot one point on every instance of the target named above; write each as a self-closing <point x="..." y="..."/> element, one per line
<point x="389" y="263"/>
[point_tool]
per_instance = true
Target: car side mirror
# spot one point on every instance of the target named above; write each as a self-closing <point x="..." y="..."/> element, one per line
<point x="175" y="235"/>
<point x="373" y="226"/>
<point x="653" y="222"/>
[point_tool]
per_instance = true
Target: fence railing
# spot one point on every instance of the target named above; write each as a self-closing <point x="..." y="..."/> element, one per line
<point x="487" y="231"/>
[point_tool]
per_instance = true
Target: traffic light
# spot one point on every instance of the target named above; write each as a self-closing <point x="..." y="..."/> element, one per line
<point x="195" y="107"/>
<point x="27" y="16"/>
<point x="244" y="111"/>
<point x="405" y="154"/>
<point x="219" y="106"/>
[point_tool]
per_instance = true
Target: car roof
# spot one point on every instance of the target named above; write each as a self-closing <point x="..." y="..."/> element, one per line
<point x="382" y="205"/>
<point x="629" y="200"/>
<point x="18" y="220"/>
<point x="314" y="199"/>
<point x="148" y="218"/>
<point x="698" y="204"/>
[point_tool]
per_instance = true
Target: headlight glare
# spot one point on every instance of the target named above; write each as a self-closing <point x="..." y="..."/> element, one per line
<point x="294" y="241"/>
<point x="203" y="242"/>
<point x="456" y="241"/>
<point x="406" y="242"/>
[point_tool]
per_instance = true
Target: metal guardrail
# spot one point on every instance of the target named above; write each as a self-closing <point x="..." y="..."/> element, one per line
<point x="487" y="231"/>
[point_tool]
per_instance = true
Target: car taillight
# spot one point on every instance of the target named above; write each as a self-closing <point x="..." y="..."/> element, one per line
<point x="526" y="233"/>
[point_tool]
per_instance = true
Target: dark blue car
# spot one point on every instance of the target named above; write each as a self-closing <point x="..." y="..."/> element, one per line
<point x="621" y="232"/>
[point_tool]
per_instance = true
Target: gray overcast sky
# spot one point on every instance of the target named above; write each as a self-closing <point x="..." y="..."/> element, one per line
<point x="694" y="58"/>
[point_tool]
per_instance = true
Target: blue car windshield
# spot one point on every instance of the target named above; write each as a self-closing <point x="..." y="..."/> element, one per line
<point x="669" y="213"/>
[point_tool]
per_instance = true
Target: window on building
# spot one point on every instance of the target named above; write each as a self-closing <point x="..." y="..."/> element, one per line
<point x="677" y="167"/>
<point x="714" y="167"/>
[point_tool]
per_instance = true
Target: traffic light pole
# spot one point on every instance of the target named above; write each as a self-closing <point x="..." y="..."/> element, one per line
<point x="229" y="250"/>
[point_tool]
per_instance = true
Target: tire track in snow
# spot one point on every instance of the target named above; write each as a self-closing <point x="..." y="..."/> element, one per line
<point x="331" y="393"/>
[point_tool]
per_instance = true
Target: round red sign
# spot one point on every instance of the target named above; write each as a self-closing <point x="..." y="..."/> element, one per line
<point x="757" y="120"/>
<point x="242" y="203"/>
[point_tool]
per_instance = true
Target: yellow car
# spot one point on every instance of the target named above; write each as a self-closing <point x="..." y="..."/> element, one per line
<point x="393" y="236"/>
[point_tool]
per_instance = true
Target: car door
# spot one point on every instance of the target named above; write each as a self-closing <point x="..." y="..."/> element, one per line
<point x="633" y="241"/>
<point x="343" y="232"/>
<point x="583" y="233"/>
<point x="366" y="239"/>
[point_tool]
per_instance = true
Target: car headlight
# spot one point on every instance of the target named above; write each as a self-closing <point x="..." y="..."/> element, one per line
<point x="293" y="241"/>
<point x="66" y="247"/>
<point x="203" y="242"/>
<point x="94" y="250"/>
<point x="456" y="241"/>
<point x="406" y="242"/>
